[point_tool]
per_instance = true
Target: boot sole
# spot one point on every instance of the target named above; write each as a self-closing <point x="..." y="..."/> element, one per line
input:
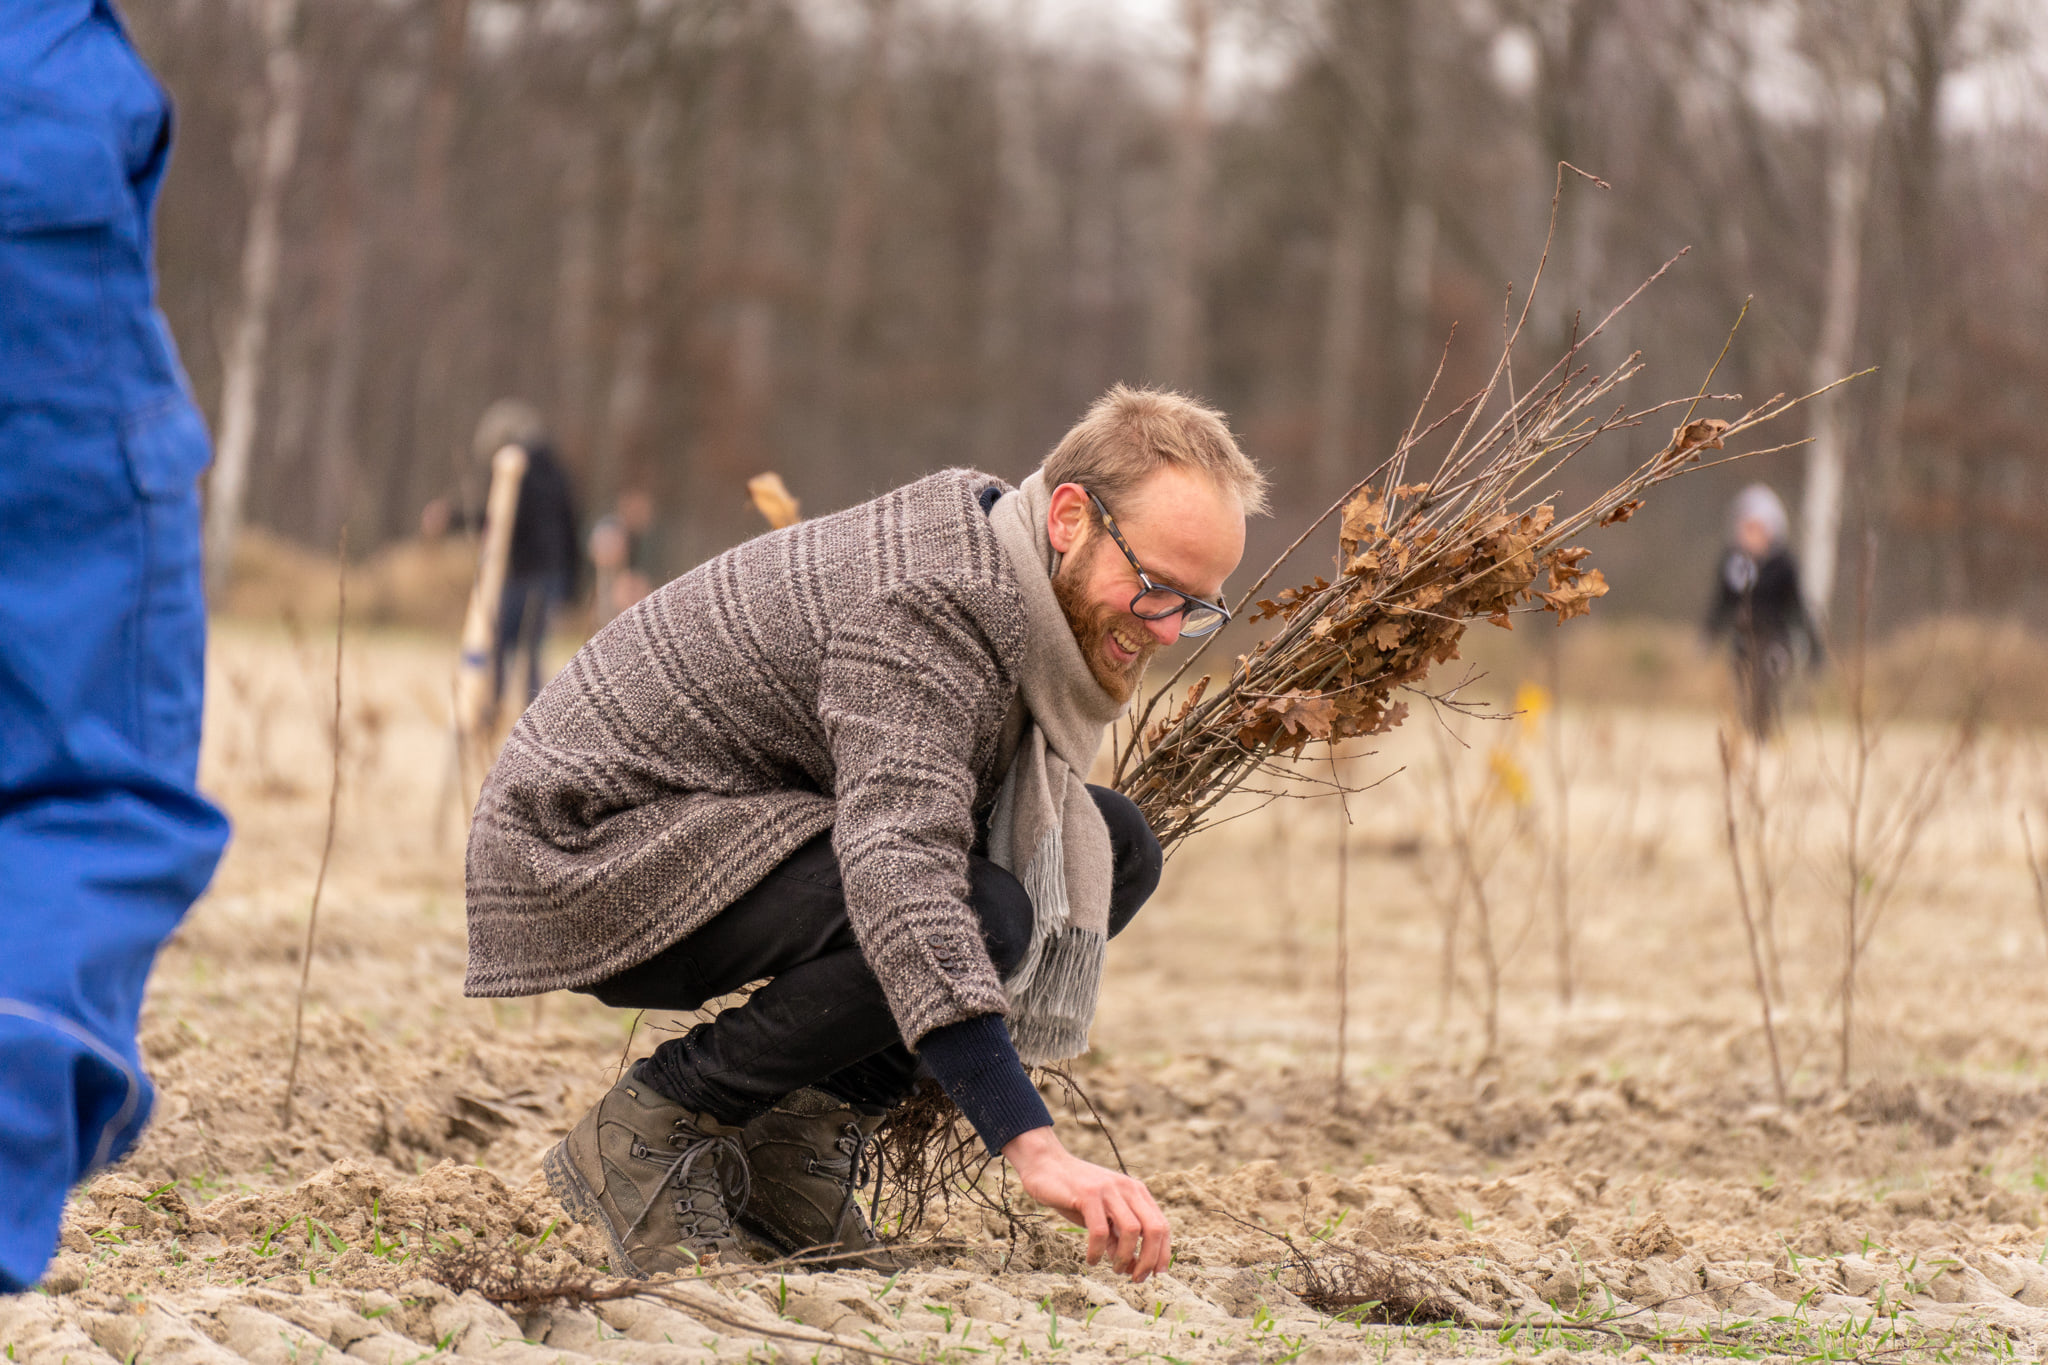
<point x="580" y="1200"/>
<point x="886" y="1260"/>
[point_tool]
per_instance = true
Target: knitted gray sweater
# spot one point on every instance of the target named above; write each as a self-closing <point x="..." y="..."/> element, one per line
<point x="851" y="672"/>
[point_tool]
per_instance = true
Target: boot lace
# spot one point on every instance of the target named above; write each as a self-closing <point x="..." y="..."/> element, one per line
<point x="722" y="1155"/>
<point x="850" y="1170"/>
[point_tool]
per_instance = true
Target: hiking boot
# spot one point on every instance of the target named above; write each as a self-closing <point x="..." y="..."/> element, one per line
<point x="806" y="1157"/>
<point x="661" y="1180"/>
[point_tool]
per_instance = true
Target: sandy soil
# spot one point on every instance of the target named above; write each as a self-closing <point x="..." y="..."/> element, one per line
<point x="1615" y="1175"/>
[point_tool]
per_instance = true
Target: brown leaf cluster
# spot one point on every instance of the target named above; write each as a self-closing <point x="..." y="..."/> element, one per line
<point x="1401" y="604"/>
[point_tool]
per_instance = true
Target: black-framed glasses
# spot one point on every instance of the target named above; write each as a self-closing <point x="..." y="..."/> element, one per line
<point x="1156" y="602"/>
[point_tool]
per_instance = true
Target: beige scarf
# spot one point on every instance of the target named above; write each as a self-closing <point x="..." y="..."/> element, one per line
<point x="1046" y="829"/>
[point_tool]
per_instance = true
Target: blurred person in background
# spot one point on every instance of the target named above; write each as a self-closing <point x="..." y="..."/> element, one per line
<point x="544" y="564"/>
<point x="1760" y="606"/>
<point x="848" y="758"/>
<point x="620" y="552"/>
<point x="105" y="841"/>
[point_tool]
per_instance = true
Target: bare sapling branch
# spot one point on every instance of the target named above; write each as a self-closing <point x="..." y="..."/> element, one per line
<point x="1881" y="831"/>
<point x="1343" y="927"/>
<point x="2035" y="870"/>
<point x="1472" y="877"/>
<point x="1749" y="926"/>
<point x="1560" y="846"/>
<point x="291" y="1079"/>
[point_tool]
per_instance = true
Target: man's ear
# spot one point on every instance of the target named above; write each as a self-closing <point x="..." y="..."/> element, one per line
<point x="1066" y="520"/>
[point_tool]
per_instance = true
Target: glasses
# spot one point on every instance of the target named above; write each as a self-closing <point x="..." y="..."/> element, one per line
<point x="1155" y="602"/>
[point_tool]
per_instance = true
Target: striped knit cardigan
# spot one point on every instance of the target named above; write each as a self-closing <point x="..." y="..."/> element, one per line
<point x="852" y="673"/>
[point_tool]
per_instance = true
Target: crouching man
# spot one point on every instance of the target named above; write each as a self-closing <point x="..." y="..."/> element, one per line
<point x="846" y="759"/>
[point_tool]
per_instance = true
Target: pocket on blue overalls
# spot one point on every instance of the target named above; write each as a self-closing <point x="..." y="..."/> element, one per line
<point x="61" y="192"/>
<point x="166" y="449"/>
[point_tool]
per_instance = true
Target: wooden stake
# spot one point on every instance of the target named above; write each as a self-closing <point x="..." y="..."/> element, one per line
<point x="474" y="699"/>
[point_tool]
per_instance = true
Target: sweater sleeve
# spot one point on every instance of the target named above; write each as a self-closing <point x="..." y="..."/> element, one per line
<point x="912" y="697"/>
<point x="978" y="1065"/>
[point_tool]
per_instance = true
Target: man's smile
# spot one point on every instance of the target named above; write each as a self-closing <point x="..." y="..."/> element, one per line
<point x="1123" y="647"/>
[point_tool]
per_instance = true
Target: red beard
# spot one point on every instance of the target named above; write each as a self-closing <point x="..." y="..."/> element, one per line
<point x="1091" y="623"/>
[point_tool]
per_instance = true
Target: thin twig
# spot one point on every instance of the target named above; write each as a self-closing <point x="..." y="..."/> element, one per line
<point x="2034" y="870"/>
<point x="291" y="1079"/>
<point x="1756" y="961"/>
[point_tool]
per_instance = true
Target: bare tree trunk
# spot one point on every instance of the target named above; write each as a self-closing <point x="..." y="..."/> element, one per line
<point x="853" y="221"/>
<point x="1929" y="48"/>
<point x="622" y="454"/>
<point x="1176" y="351"/>
<point x="341" y="310"/>
<point x="1343" y="326"/>
<point x="262" y="249"/>
<point x="1092" y="285"/>
<point x="334" y="445"/>
<point x="1020" y="230"/>
<point x="1827" y="457"/>
<point x="1415" y="264"/>
<point x="433" y="429"/>
<point x="1389" y="101"/>
<point x="575" y="336"/>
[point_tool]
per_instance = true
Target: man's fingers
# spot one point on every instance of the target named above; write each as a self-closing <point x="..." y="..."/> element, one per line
<point x="1158" y="1238"/>
<point x="1158" y="1244"/>
<point x="1129" y="1227"/>
<point x="1096" y="1219"/>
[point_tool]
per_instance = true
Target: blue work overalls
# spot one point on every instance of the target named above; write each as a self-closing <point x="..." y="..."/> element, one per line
<point x="104" y="839"/>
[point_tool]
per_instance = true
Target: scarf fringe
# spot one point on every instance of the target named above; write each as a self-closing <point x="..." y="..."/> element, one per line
<point x="1049" y="1019"/>
<point x="1054" y="989"/>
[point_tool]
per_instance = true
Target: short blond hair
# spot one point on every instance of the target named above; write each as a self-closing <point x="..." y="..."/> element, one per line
<point x="1127" y="433"/>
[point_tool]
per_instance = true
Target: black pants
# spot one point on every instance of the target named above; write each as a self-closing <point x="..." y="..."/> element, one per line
<point x="821" y="1020"/>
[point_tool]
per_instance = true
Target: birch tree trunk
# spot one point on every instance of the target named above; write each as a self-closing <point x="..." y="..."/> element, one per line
<point x="277" y="144"/>
<point x="1175" y="351"/>
<point x="1827" y="458"/>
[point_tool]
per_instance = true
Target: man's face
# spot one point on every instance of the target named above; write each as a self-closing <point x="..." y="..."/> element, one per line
<point x="1188" y="533"/>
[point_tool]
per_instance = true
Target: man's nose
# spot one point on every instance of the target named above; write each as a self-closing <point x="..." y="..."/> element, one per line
<point x="1166" y="629"/>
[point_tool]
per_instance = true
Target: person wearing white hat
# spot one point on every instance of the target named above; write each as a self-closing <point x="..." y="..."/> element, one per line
<point x="1758" y="604"/>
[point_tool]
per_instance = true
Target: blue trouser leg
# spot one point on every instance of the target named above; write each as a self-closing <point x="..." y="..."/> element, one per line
<point x="104" y="842"/>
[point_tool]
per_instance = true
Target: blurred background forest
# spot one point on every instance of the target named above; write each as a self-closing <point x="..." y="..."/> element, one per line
<point x="858" y="240"/>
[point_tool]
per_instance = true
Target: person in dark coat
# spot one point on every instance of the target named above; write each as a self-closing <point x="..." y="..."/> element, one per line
<point x="1760" y="606"/>
<point x="105" y="841"/>
<point x="543" y="567"/>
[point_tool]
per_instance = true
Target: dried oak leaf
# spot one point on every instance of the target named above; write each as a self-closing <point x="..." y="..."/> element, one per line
<point x="1386" y="636"/>
<point x="1299" y="714"/>
<point x="1365" y="517"/>
<point x="1575" y="599"/>
<point x="1700" y="434"/>
<point x="1501" y="619"/>
<point x="1564" y="565"/>
<point x="1622" y="512"/>
<point x="1411" y="490"/>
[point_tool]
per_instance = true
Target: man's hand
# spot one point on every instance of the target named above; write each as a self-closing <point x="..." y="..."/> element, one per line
<point x="1119" y="1212"/>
